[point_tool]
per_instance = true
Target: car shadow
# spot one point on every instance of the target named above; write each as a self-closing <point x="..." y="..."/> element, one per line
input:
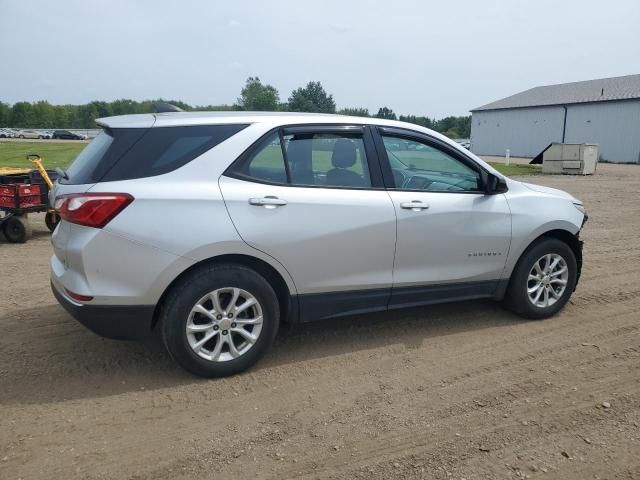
<point x="46" y="356"/>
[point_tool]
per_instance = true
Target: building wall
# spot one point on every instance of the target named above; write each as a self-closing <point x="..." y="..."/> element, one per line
<point x="614" y="126"/>
<point x="524" y="131"/>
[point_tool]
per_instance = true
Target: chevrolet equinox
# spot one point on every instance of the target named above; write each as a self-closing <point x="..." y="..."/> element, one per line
<point x="217" y="227"/>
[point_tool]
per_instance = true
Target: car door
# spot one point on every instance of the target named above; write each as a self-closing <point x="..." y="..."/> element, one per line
<point x="452" y="237"/>
<point x="312" y="198"/>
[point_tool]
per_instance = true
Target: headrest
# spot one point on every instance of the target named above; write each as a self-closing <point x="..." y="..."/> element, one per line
<point x="344" y="154"/>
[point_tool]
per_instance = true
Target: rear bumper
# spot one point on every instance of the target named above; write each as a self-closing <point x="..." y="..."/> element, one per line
<point x="127" y="322"/>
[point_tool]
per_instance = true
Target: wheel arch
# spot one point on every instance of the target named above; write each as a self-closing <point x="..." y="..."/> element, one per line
<point x="286" y="299"/>
<point x="574" y="242"/>
<point x="565" y="236"/>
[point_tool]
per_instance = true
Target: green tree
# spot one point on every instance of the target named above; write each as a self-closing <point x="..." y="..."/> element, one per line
<point x="452" y="133"/>
<point x="455" y="125"/>
<point x="258" y="97"/>
<point x="311" y="98"/>
<point x="386" y="112"/>
<point x="102" y="109"/>
<point x="355" y="112"/>
<point x="5" y="114"/>
<point x="42" y="115"/>
<point x="62" y="115"/>
<point x="422" y="121"/>
<point x="22" y="115"/>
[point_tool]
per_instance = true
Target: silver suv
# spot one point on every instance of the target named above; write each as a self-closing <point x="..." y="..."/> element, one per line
<point x="217" y="227"/>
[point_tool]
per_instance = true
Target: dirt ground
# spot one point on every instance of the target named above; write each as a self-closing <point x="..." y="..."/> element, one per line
<point x="455" y="391"/>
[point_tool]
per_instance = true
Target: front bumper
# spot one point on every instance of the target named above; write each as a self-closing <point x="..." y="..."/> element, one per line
<point x="579" y="261"/>
<point x="120" y="322"/>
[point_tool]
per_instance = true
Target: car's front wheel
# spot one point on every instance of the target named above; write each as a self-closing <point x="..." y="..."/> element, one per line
<point x="543" y="279"/>
<point x="219" y="320"/>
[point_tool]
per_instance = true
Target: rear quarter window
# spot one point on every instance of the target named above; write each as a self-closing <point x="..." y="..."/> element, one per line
<point x="125" y="154"/>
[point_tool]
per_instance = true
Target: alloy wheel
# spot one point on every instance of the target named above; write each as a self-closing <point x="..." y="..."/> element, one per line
<point x="547" y="280"/>
<point x="224" y="324"/>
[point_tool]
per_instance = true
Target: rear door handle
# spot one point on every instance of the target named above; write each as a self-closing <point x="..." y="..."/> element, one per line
<point x="267" y="202"/>
<point x="415" y="205"/>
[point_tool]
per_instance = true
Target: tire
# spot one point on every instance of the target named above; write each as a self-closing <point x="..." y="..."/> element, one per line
<point x="51" y="219"/>
<point x="21" y="137"/>
<point x="544" y="251"/>
<point x="177" y="315"/>
<point x="17" y="229"/>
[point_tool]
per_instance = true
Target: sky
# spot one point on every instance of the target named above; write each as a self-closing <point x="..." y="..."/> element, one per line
<point x="416" y="57"/>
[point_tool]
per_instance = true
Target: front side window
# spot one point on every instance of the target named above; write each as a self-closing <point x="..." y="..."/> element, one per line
<point x="310" y="159"/>
<point x="418" y="166"/>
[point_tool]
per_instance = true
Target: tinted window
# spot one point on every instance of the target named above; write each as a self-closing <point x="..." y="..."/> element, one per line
<point x="88" y="159"/>
<point x="127" y="153"/>
<point x="267" y="162"/>
<point x="419" y="166"/>
<point x="163" y="149"/>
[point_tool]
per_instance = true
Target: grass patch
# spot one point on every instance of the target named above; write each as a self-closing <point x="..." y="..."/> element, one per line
<point x="517" y="169"/>
<point x="54" y="154"/>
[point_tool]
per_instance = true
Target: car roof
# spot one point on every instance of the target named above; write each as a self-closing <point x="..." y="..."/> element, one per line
<point x="171" y="119"/>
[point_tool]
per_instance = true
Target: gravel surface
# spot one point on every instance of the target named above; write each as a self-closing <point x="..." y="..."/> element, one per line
<point x="454" y="391"/>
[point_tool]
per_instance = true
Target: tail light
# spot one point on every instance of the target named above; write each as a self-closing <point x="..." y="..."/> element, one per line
<point x="91" y="209"/>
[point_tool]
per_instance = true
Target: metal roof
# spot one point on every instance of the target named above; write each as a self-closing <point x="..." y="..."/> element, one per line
<point x="601" y="90"/>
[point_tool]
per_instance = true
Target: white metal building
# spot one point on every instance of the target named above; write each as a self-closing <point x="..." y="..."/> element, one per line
<point x="605" y="112"/>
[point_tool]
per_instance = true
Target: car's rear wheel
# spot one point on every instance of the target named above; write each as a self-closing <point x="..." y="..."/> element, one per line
<point x="219" y="320"/>
<point x="543" y="279"/>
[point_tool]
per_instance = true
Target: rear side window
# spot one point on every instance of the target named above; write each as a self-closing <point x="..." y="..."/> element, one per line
<point x="124" y="154"/>
<point x="327" y="159"/>
<point x="308" y="159"/>
<point x="267" y="162"/>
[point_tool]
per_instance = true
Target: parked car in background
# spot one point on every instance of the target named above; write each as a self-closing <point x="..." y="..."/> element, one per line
<point x="28" y="134"/>
<point x="67" y="135"/>
<point x="270" y="218"/>
<point x="6" y="133"/>
<point x="46" y="133"/>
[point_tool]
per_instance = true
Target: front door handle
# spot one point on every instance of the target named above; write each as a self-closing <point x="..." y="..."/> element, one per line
<point x="267" y="202"/>
<point x="415" y="205"/>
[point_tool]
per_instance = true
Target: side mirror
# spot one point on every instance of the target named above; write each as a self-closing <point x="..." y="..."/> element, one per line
<point x="493" y="184"/>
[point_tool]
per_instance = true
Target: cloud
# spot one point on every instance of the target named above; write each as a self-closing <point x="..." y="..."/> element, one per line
<point x="234" y="23"/>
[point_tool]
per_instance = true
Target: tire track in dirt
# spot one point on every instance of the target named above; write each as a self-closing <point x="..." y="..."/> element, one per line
<point x="385" y="389"/>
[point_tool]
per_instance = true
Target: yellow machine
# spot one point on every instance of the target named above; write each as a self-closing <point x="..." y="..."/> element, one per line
<point x="14" y="220"/>
<point x="51" y="219"/>
<point x="13" y="171"/>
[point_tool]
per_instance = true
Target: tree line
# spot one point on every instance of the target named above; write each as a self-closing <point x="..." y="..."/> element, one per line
<point x="254" y="96"/>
